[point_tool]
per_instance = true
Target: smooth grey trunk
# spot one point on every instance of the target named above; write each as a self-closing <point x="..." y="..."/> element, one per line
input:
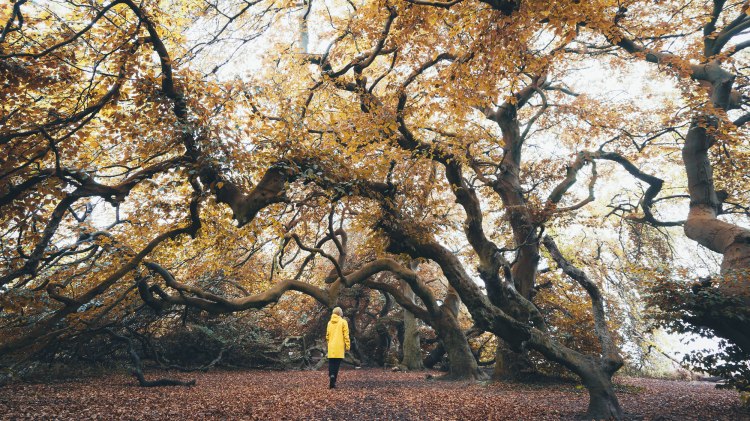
<point x="443" y="318"/>
<point x="412" y="358"/>
<point x="463" y="365"/>
<point x="703" y="224"/>
<point x="508" y="186"/>
<point x="510" y="364"/>
<point x="603" y="403"/>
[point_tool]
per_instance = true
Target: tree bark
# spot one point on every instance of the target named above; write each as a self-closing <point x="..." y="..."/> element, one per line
<point x="384" y="338"/>
<point x="511" y="365"/>
<point x="508" y="363"/>
<point x="462" y="364"/>
<point x="703" y="225"/>
<point x="603" y="403"/>
<point x="595" y="371"/>
<point x="442" y="318"/>
<point x="412" y="359"/>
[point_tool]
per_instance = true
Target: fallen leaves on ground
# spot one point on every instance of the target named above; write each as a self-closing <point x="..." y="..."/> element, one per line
<point x="361" y="394"/>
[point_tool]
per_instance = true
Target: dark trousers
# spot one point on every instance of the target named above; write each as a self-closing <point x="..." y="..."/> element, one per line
<point x="333" y="370"/>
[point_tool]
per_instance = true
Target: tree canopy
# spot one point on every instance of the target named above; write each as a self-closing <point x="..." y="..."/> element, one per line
<point x="531" y="169"/>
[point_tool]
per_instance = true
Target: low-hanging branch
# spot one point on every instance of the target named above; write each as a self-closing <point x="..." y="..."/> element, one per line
<point x="217" y="304"/>
<point x="138" y="366"/>
<point x="86" y="186"/>
<point x="44" y="330"/>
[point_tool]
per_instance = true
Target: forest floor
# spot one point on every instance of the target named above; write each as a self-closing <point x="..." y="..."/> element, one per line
<point x="366" y="394"/>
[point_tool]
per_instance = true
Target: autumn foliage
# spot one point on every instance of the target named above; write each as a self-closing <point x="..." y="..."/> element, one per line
<point x="516" y="175"/>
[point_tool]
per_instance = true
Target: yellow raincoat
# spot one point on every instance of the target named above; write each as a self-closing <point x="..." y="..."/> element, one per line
<point x="337" y="335"/>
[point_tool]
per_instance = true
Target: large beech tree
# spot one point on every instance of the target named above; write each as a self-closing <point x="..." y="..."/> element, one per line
<point x="144" y="151"/>
<point x="713" y="68"/>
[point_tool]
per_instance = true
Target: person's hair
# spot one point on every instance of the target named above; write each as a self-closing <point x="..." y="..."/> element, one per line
<point x="338" y="311"/>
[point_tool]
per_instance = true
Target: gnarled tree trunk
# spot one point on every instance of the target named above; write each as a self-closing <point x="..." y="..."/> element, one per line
<point x="703" y="225"/>
<point x="603" y="403"/>
<point x="412" y="358"/>
<point x="595" y="371"/>
<point x="511" y="365"/>
<point x="463" y="365"/>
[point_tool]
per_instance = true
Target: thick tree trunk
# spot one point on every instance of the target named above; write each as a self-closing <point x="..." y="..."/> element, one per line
<point x="384" y="338"/>
<point x="463" y="365"/>
<point x="596" y="372"/>
<point x="511" y="365"/>
<point x="384" y="345"/>
<point x="508" y="363"/>
<point x="383" y="353"/>
<point x="704" y="227"/>
<point x="412" y="358"/>
<point x="603" y="403"/>
<point x="355" y="349"/>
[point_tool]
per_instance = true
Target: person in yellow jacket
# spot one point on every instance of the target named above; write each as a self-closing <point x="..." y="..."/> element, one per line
<point x="337" y="336"/>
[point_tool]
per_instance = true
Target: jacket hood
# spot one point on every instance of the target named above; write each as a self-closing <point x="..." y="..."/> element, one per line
<point x="335" y="318"/>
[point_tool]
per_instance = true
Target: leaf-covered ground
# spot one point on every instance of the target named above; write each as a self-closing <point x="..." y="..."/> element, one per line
<point x="361" y="394"/>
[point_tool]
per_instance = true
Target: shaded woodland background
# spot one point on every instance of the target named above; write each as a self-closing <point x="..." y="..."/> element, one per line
<point x="500" y="189"/>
